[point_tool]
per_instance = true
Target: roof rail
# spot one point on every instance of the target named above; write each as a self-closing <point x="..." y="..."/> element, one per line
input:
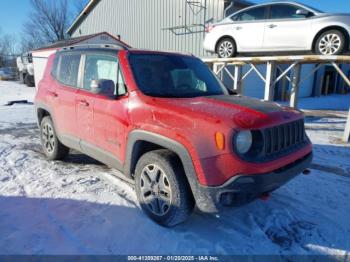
<point x="111" y="46"/>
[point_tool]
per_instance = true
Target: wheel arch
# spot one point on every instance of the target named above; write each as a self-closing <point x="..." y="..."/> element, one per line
<point x="203" y="199"/>
<point x="223" y="37"/>
<point x="41" y="112"/>
<point x="333" y="27"/>
<point x="141" y="142"/>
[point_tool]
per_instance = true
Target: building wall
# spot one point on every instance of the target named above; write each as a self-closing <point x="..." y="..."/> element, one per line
<point x="147" y="23"/>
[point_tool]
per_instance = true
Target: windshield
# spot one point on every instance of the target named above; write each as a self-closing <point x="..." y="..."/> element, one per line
<point x="171" y="75"/>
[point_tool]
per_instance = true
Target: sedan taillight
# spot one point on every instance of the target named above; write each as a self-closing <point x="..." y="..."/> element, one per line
<point x="209" y="28"/>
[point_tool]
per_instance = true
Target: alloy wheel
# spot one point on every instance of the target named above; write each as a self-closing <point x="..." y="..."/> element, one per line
<point x="226" y="49"/>
<point x="155" y="190"/>
<point x="330" y="44"/>
<point x="48" y="137"/>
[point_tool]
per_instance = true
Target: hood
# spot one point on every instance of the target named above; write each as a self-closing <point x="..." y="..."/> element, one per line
<point x="331" y="14"/>
<point x="241" y="111"/>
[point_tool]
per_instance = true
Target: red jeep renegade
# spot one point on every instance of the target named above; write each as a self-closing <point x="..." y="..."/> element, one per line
<point x="170" y="126"/>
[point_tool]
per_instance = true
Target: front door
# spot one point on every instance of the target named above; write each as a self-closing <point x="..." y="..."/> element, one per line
<point x="105" y="127"/>
<point x="285" y="29"/>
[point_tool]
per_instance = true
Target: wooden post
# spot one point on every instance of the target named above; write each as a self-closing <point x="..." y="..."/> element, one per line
<point x="347" y="130"/>
<point x="237" y="84"/>
<point x="270" y="78"/>
<point x="295" y="86"/>
<point x="215" y="68"/>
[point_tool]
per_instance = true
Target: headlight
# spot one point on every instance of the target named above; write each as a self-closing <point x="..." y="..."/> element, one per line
<point x="243" y="141"/>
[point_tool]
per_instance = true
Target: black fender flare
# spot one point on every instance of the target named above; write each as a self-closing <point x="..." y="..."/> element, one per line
<point x="40" y="105"/>
<point x="203" y="200"/>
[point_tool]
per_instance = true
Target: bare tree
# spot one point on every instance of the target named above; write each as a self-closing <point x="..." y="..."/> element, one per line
<point x="7" y="48"/>
<point x="48" y="23"/>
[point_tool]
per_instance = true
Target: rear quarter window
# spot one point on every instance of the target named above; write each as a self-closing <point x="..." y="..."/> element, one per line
<point x="54" y="69"/>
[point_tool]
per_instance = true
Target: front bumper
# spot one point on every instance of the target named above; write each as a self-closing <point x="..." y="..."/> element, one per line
<point x="244" y="188"/>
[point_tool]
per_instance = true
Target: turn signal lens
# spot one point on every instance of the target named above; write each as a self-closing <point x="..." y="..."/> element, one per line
<point x="220" y="140"/>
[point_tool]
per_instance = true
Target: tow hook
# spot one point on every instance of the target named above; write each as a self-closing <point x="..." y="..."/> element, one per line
<point x="306" y="172"/>
<point x="265" y="196"/>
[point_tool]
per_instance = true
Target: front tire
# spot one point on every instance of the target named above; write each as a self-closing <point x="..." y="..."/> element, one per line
<point x="332" y="42"/>
<point x="162" y="188"/>
<point x="226" y="48"/>
<point x="52" y="147"/>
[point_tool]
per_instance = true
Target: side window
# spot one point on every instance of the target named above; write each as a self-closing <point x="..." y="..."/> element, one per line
<point x="99" y="67"/>
<point x="69" y="69"/>
<point x="251" y="14"/>
<point x="285" y="12"/>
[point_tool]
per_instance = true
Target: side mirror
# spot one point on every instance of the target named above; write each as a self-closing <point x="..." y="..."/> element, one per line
<point x="302" y="12"/>
<point x="103" y="87"/>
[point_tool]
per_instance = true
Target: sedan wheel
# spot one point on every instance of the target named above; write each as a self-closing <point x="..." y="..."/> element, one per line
<point x="331" y="43"/>
<point x="226" y="48"/>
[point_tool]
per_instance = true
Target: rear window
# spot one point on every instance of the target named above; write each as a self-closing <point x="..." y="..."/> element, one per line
<point x="68" y="69"/>
<point x="252" y="14"/>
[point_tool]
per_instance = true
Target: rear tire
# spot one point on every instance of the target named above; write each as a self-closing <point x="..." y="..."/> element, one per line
<point x="52" y="147"/>
<point x="29" y="80"/>
<point x="162" y="188"/>
<point x="226" y="48"/>
<point x="332" y="42"/>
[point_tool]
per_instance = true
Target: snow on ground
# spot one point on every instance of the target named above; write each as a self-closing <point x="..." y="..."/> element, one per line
<point x="77" y="207"/>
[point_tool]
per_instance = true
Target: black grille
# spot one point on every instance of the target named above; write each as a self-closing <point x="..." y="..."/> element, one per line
<point x="284" y="137"/>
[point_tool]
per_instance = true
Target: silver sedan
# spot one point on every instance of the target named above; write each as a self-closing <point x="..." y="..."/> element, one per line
<point x="279" y="27"/>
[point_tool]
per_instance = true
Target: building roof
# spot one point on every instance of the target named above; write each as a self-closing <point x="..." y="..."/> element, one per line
<point x="91" y="5"/>
<point x="77" y="40"/>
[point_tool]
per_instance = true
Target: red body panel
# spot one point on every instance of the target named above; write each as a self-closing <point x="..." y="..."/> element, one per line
<point x="192" y="122"/>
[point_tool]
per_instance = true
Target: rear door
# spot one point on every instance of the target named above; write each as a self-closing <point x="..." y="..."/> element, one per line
<point x="285" y="29"/>
<point x="248" y="28"/>
<point x="62" y="95"/>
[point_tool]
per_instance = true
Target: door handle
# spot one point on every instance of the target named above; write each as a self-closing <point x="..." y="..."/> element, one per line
<point x="239" y="28"/>
<point x="83" y="103"/>
<point x="272" y="26"/>
<point x="52" y="93"/>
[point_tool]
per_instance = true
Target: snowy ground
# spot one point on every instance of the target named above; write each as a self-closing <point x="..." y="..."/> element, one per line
<point x="77" y="207"/>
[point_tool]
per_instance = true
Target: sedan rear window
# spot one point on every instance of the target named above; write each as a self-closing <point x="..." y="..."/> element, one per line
<point x="252" y="14"/>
